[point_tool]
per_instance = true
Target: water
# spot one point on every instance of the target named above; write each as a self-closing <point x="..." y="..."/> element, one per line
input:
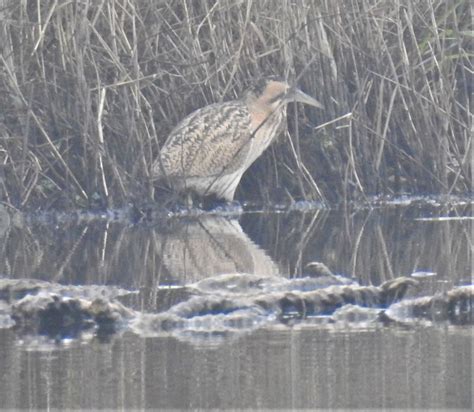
<point x="303" y="368"/>
<point x="305" y="363"/>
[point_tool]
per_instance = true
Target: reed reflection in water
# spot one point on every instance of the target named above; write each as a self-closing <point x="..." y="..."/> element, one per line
<point x="305" y="368"/>
<point x="373" y="246"/>
<point x="301" y="366"/>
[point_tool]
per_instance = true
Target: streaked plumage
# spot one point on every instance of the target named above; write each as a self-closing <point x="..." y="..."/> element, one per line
<point x="209" y="151"/>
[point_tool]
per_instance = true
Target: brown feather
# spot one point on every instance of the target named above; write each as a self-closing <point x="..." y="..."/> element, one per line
<point x="211" y="148"/>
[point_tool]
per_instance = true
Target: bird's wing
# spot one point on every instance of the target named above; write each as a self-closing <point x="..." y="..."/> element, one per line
<point x="209" y="142"/>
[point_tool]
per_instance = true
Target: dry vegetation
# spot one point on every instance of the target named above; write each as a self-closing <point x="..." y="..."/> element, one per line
<point x="89" y="91"/>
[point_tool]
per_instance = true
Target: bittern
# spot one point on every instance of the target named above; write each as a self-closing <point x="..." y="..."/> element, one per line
<point x="210" y="150"/>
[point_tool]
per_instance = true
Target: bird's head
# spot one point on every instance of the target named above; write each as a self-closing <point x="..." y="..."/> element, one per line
<point x="274" y="93"/>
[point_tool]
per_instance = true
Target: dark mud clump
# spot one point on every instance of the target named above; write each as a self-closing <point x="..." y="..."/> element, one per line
<point x="225" y="306"/>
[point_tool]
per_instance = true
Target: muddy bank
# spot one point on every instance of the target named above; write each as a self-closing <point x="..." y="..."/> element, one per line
<point x="140" y="211"/>
<point x="225" y="307"/>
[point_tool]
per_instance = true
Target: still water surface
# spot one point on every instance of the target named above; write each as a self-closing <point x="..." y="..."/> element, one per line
<point x="300" y="365"/>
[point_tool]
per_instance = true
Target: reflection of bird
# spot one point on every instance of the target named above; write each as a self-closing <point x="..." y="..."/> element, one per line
<point x="194" y="249"/>
<point x="209" y="151"/>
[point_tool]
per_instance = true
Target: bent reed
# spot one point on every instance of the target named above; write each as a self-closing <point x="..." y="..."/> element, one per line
<point x="90" y="90"/>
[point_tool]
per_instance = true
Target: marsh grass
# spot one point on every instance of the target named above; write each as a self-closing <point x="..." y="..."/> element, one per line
<point x="90" y="90"/>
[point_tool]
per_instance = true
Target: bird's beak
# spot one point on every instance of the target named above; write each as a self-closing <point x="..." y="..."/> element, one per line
<point x="296" y="95"/>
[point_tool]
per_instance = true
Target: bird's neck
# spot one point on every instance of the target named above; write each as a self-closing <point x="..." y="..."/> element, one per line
<point x="260" y="111"/>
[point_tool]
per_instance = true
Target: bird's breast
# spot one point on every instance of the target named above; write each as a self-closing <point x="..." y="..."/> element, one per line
<point x="264" y="128"/>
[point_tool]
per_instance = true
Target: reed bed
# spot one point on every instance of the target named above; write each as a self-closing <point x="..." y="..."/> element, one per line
<point x="90" y="90"/>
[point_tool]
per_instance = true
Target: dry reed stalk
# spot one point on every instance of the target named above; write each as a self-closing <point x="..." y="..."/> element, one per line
<point x="90" y="91"/>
